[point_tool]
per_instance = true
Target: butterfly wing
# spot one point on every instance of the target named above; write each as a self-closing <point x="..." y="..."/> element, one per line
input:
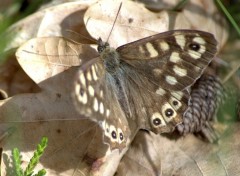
<point x="159" y="112"/>
<point x="95" y="97"/>
<point x="174" y="59"/>
<point x="160" y="68"/>
<point x="148" y="89"/>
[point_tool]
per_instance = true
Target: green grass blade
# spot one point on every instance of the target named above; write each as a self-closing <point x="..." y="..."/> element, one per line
<point x="36" y="156"/>
<point x="180" y="5"/>
<point x="17" y="162"/>
<point x="41" y="173"/>
<point x="229" y="16"/>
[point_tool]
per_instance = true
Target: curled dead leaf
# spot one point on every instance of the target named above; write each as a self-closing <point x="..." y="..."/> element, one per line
<point x="52" y="21"/>
<point x="44" y="57"/>
<point x="152" y="154"/>
<point x="72" y="138"/>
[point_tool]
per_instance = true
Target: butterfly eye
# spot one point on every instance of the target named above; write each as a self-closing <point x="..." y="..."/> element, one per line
<point x="169" y="112"/>
<point x="121" y="136"/>
<point x="194" y="46"/>
<point x="114" y="135"/>
<point x="81" y="91"/>
<point x="157" y="122"/>
<point x="175" y="103"/>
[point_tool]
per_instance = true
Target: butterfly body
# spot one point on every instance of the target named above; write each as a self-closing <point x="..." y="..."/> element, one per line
<point x="143" y="84"/>
<point x="109" y="57"/>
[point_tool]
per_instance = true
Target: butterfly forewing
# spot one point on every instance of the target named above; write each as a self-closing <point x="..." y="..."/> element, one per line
<point x="174" y="59"/>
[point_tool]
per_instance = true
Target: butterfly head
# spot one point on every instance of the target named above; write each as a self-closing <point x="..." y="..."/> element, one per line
<point x="109" y="56"/>
<point x="101" y="45"/>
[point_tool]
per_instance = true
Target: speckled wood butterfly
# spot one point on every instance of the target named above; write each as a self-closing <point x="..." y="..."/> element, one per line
<point x="143" y="84"/>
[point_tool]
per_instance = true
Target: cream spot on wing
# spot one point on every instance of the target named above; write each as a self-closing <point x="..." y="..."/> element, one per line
<point x="95" y="104"/>
<point x="107" y="129"/>
<point x="89" y="76"/>
<point x="171" y="80"/>
<point x="107" y="112"/>
<point x="105" y="126"/>
<point x="160" y="91"/>
<point x="101" y="93"/>
<point x="91" y="90"/>
<point x="113" y="130"/>
<point x="175" y="103"/>
<point x="175" y="57"/>
<point x="103" y="123"/>
<point x="101" y="108"/>
<point x="157" y="72"/>
<point x="164" y="46"/>
<point x="177" y="94"/>
<point x="82" y="79"/>
<point x="199" y="40"/>
<point x="120" y="135"/>
<point x="197" y="69"/>
<point x="181" y="41"/>
<point x="83" y="98"/>
<point x="157" y="120"/>
<point x="151" y="50"/>
<point x="95" y="77"/>
<point x="168" y="112"/>
<point x="179" y="71"/>
<point x="141" y="50"/>
<point x="77" y="89"/>
<point x="194" y="54"/>
<point x="202" y="49"/>
<point x="96" y="68"/>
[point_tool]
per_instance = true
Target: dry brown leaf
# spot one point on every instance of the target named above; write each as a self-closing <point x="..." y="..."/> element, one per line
<point x="204" y="15"/>
<point x="157" y="5"/>
<point x="132" y="25"/>
<point x="183" y="157"/>
<point x="52" y="21"/>
<point x="72" y="139"/>
<point x="13" y="79"/>
<point x="42" y="58"/>
<point x="195" y="14"/>
<point x="143" y="157"/>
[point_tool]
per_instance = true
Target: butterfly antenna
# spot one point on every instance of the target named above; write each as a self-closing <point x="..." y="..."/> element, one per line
<point x="76" y="33"/>
<point x="114" y="21"/>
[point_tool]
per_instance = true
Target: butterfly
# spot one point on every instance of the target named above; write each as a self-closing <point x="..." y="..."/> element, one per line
<point x="143" y="84"/>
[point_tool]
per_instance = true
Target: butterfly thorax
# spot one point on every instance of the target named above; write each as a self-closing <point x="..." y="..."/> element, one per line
<point x="109" y="56"/>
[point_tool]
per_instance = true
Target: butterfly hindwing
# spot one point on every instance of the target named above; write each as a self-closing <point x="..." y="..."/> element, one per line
<point x="158" y="111"/>
<point x="96" y="99"/>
